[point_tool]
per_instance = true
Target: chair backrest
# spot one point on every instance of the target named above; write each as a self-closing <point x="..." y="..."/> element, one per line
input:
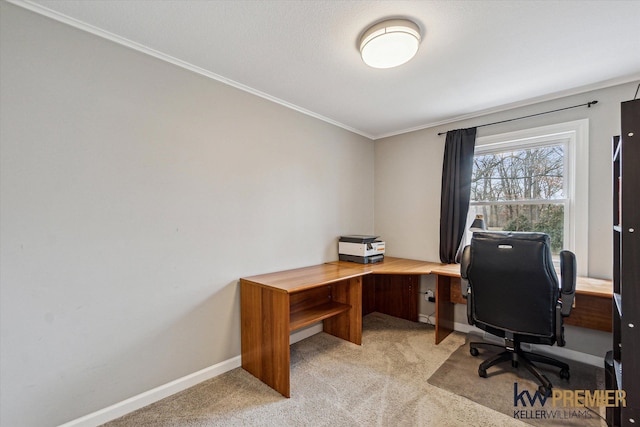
<point x="513" y="283"/>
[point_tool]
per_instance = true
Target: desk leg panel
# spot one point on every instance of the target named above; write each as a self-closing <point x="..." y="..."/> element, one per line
<point x="444" y="307"/>
<point x="265" y="335"/>
<point x="347" y="325"/>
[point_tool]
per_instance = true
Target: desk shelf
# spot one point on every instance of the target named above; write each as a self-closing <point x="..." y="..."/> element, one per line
<point x="315" y="314"/>
<point x="274" y="305"/>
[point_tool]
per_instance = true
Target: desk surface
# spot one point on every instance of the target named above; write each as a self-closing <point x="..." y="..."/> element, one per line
<point x="584" y="285"/>
<point x="392" y="265"/>
<point x="301" y="279"/>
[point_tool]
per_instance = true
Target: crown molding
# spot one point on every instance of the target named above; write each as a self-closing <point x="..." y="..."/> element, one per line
<point x="57" y="16"/>
<point x="42" y="10"/>
<point x="635" y="77"/>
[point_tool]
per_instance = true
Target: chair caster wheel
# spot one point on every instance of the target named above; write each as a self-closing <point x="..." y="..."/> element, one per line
<point x="564" y="374"/>
<point x="474" y="351"/>
<point x="482" y="372"/>
<point x="544" y="391"/>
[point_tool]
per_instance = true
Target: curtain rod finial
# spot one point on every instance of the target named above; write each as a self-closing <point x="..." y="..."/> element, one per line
<point x="589" y="104"/>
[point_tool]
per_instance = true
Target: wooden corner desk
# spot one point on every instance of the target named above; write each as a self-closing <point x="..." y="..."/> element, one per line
<point x="339" y="293"/>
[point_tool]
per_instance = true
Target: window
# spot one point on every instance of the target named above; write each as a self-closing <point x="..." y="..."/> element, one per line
<point x="535" y="180"/>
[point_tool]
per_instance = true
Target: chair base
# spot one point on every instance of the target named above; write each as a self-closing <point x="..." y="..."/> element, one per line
<point x="518" y="356"/>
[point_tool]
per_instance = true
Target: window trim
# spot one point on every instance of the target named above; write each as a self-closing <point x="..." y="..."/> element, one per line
<point x="575" y="136"/>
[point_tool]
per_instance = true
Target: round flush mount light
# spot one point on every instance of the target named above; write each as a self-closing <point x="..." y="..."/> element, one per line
<point x="390" y="43"/>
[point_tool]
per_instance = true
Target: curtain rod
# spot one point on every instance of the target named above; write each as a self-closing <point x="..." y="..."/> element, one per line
<point x="588" y="104"/>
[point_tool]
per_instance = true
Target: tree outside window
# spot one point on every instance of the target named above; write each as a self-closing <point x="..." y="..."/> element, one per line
<point x="522" y="190"/>
<point x="536" y="179"/>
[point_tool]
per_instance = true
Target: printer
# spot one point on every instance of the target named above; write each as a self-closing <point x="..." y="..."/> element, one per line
<point x="361" y="249"/>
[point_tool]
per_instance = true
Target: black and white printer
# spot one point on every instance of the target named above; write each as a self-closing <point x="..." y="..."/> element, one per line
<point x="361" y="249"/>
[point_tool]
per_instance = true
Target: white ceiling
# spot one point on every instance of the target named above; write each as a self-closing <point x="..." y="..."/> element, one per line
<point x="475" y="57"/>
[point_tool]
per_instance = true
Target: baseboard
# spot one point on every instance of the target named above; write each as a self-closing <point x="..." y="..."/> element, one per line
<point x="316" y="328"/>
<point x="553" y="351"/>
<point x="567" y="353"/>
<point x="148" y="397"/>
<point x="143" y="399"/>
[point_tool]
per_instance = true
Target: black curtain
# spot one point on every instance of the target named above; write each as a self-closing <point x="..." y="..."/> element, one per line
<point x="456" y="190"/>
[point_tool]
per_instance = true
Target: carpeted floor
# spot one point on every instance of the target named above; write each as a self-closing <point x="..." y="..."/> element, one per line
<point x="459" y="374"/>
<point x="384" y="382"/>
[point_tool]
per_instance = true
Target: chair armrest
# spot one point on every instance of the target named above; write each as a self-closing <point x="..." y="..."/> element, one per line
<point x="559" y="326"/>
<point x="465" y="261"/>
<point x="568" y="285"/>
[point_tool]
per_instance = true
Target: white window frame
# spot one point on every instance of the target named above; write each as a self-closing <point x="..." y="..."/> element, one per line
<point x="575" y="137"/>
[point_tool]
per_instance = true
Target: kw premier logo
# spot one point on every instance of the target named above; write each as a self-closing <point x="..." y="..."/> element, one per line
<point x="566" y="404"/>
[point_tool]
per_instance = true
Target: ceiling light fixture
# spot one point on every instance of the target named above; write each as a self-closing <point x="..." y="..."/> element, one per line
<point x="390" y="43"/>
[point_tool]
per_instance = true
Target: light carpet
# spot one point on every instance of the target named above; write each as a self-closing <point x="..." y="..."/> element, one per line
<point x="383" y="382"/>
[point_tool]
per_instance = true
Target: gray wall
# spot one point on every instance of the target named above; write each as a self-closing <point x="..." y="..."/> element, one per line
<point x="408" y="178"/>
<point x="134" y="195"/>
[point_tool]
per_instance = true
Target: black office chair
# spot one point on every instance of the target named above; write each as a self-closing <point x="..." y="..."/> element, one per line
<point x="513" y="293"/>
